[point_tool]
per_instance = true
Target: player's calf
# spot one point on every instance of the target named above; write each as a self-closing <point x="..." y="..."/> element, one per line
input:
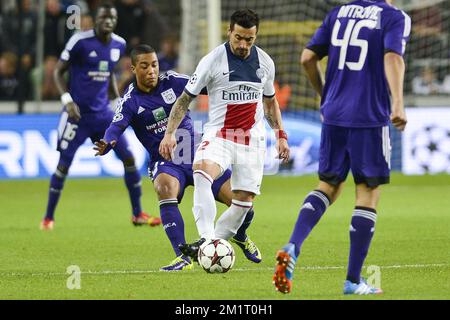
<point x="56" y="186"/>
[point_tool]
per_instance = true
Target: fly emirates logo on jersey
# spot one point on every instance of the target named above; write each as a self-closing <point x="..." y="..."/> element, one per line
<point x="243" y="93"/>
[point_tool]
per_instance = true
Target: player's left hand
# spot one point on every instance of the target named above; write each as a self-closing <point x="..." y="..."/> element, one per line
<point x="102" y="147"/>
<point x="167" y="146"/>
<point x="283" y="150"/>
<point x="398" y="116"/>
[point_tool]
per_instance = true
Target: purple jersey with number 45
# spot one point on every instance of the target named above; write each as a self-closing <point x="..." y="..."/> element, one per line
<point x="355" y="37"/>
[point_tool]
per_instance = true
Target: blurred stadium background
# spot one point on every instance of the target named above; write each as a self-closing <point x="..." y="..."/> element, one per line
<point x="33" y="33"/>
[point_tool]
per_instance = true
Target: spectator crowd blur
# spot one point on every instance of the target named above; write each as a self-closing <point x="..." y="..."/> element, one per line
<point x="139" y="21"/>
<point x="429" y="48"/>
<point x="158" y="23"/>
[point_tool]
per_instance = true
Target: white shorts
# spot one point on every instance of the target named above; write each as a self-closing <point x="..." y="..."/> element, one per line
<point x="247" y="162"/>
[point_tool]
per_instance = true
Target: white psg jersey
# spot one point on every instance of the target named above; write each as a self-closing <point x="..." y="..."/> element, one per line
<point x="236" y="88"/>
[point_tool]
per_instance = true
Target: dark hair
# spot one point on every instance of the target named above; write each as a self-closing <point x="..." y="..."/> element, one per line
<point x="140" y="49"/>
<point x="246" y="18"/>
<point x="106" y="5"/>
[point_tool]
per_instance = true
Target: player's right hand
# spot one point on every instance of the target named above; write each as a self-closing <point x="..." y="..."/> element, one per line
<point x="283" y="150"/>
<point x="398" y="116"/>
<point x="167" y="146"/>
<point x="74" y="111"/>
<point x="102" y="147"/>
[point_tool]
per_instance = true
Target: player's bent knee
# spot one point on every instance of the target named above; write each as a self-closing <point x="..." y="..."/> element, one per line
<point x="210" y="167"/>
<point x="331" y="190"/>
<point x="367" y="196"/>
<point x="166" y="187"/>
<point x="224" y="198"/>
<point x="245" y="196"/>
<point x="165" y="192"/>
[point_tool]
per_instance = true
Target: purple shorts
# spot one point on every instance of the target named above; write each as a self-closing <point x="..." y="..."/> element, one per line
<point x="184" y="175"/>
<point x="366" y="151"/>
<point x="71" y="135"/>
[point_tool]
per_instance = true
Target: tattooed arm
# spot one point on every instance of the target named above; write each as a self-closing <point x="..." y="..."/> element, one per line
<point x="273" y="115"/>
<point x="177" y="114"/>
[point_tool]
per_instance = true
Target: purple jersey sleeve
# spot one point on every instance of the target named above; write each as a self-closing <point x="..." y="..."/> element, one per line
<point x="122" y="119"/>
<point x="397" y="31"/>
<point x="320" y="42"/>
<point x="72" y="49"/>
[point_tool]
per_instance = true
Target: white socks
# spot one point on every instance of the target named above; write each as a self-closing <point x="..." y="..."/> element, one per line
<point x="204" y="204"/>
<point x="231" y="220"/>
<point x="205" y="210"/>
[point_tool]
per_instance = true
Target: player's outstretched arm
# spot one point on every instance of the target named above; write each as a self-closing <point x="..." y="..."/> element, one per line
<point x="395" y="71"/>
<point x="122" y="119"/>
<point x="66" y="99"/>
<point x="310" y="62"/>
<point x="273" y="115"/>
<point x="177" y="114"/>
<point x="110" y="139"/>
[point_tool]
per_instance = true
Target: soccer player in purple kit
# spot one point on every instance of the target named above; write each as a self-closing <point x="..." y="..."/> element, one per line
<point x="365" y="41"/>
<point x="90" y="58"/>
<point x="145" y="107"/>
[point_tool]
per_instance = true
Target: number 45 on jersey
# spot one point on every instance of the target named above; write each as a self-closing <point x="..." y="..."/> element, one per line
<point x="351" y="39"/>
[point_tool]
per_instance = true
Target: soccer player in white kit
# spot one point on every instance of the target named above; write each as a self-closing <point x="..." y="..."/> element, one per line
<point x="239" y="78"/>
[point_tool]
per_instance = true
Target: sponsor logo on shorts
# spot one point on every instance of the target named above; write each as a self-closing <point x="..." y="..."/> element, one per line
<point x="203" y="145"/>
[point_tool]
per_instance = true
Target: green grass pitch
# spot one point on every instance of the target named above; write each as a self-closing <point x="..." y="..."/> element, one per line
<point x="118" y="261"/>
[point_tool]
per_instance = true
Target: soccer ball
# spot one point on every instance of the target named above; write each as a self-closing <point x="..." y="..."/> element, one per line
<point x="216" y="256"/>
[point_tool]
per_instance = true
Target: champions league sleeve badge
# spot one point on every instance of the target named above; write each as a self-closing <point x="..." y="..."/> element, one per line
<point x="117" y="117"/>
<point x="193" y="79"/>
